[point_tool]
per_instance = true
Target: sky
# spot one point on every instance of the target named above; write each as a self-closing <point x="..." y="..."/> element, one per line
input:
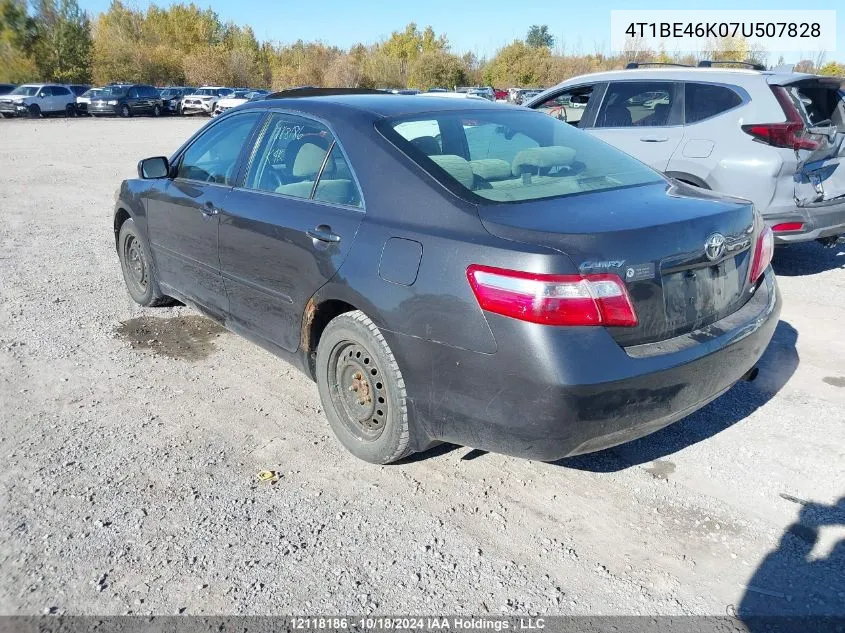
<point x="479" y="26"/>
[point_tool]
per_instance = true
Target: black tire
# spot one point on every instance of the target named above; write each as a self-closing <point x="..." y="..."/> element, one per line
<point x="70" y="110"/>
<point x="125" y="112"/>
<point x="137" y="266"/>
<point x="34" y="111"/>
<point x="362" y="389"/>
<point x="156" y="111"/>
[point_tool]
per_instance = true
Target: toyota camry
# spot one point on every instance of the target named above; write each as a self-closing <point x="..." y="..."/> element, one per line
<point x="454" y="270"/>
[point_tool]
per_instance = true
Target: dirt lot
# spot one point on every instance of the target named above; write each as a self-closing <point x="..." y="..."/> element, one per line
<point x="131" y="439"/>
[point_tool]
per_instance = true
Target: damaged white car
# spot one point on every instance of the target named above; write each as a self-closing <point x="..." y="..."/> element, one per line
<point x="236" y="99"/>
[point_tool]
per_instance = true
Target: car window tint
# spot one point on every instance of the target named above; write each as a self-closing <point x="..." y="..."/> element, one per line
<point x="214" y="155"/>
<point x="46" y="91"/>
<point x="59" y="91"/>
<point x="568" y="105"/>
<point x="701" y="101"/>
<point x="289" y="156"/>
<point x="515" y="156"/>
<point x="336" y="183"/>
<point x="637" y="104"/>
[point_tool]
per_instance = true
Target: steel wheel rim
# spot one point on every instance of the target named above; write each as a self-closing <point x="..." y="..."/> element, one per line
<point x="136" y="264"/>
<point x="358" y="392"/>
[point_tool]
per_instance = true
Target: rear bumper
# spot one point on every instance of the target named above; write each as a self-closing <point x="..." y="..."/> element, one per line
<point x="547" y="394"/>
<point x="824" y="220"/>
<point x="104" y="110"/>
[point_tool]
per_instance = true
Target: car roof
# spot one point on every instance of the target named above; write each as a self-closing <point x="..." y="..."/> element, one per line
<point x="382" y="105"/>
<point x="681" y="73"/>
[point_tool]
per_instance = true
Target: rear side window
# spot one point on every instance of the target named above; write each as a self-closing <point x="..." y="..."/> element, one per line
<point x="638" y="104"/>
<point x="702" y="101"/>
<point x="509" y="156"/>
<point x="292" y="154"/>
<point x="58" y="91"/>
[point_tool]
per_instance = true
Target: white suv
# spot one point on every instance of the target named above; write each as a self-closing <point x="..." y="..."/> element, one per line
<point x="203" y="100"/>
<point x="776" y="137"/>
<point x="36" y="99"/>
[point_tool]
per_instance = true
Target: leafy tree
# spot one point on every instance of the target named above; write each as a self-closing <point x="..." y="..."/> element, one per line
<point x="63" y="47"/>
<point x="518" y="65"/>
<point x="437" y="69"/>
<point x="17" y="38"/>
<point x="406" y="46"/>
<point x="539" y="36"/>
<point x="834" y="69"/>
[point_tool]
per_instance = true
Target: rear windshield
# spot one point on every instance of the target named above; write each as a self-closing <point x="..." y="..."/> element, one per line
<point x="819" y="103"/>
<point x="113" y="91"/>
<point x="512" y="156"/>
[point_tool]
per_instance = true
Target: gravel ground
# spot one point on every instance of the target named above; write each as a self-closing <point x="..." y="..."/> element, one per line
<point x="131" y="439"/>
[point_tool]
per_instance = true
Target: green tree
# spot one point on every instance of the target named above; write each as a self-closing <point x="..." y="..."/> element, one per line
<point x="834" y="69"/>
<point x="406" y="46"/>
<point x="17" y="38"/>
<point x="518" y="65"/>
<point x="437" y="69"/>
<point x="539" y="36"/>
<point x="63" y="46"/>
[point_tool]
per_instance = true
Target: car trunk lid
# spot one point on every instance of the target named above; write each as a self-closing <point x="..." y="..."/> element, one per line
<point x="654" y="237"/>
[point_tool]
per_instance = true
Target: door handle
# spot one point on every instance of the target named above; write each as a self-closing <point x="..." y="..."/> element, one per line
<point x="654" y="139"/>
<point x="209" y="209"/>
<point x="323" y="233"/>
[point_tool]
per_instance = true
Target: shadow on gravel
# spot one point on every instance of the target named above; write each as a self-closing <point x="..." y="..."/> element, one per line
<point x="807" y="259"/>
<point x="803" y="576"/>
<point x="776" y="367"/>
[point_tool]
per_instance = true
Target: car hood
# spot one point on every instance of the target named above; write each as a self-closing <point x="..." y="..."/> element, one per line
<point x="14" y="98"/>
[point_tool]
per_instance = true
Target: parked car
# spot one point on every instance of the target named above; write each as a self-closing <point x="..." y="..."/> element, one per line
<point x="237" y="98"/>
<point x="84" y="100"/>
<point x="7" y="88"/>
<point x="485" y="93"/>
<point x="204" y="100"/>
<point x="523" y="95"/>
<point x="171" y="98"/>
<point x="774" y="137"/>
<point x="36" y="99"/>
<point x="126" y="100"/>
<point x="501" y="95"/>
<point x="79" y="89"/>
<point x="537" y="293"/>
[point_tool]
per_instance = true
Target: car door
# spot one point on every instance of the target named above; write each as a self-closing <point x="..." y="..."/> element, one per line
<point x="183" y="211"/>
<point x="46" y="100"/>
<point x="61" y="98"/>
<point x="133" y="100"/>
<point x="643" y="119"/>
<point x="287" y="227"/>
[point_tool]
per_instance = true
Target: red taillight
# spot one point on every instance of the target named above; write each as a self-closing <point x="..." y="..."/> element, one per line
<point x="763" y="251"/>
<point x="787" y="226"/>
<point x="792" y="134"/>
<point x="600" y="299"/>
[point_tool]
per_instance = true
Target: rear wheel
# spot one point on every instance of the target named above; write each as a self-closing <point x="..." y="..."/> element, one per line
<point x="362" y="389"/>
<point x="156" y="111"/>
<point x="70" y="110"/>
<point x="125" y="112"/>
<point x="34" y="111"/>
<point x="137" y="265"/>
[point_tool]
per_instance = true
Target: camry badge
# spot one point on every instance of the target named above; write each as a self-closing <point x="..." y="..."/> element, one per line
<point x="714" y="246"/>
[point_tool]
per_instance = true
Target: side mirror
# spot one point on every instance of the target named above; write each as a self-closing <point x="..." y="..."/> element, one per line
<point x="152" y="168"/>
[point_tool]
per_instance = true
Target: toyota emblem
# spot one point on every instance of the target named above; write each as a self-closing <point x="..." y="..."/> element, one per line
<point x="714" y="246"/>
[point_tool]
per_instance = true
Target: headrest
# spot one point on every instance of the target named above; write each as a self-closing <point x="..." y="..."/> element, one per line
<point x="457" y="167"/>
<point x="309" y="159"/>
<point x="491" y="168"/>
<point x="542" y="158"/>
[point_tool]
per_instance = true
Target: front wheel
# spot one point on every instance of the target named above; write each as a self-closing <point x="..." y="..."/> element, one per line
<point x="362" y="389"/>
<point x="34" y="111"/>
<point x="125" y="112"/>
<point x="156" y="111"/>
<point x="137" y="265"/>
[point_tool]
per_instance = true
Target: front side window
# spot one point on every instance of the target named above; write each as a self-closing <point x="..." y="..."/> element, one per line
<point x="292" y="154"/>
<point x="702" y="101"/>
<point x="507" y="156"/>
<point x="213" y="156"/>
<point x="568" y="105"/>
<point x="637" y="104"/>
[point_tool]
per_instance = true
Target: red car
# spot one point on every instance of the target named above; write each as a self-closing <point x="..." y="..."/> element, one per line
<point x="501" y="94"/>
